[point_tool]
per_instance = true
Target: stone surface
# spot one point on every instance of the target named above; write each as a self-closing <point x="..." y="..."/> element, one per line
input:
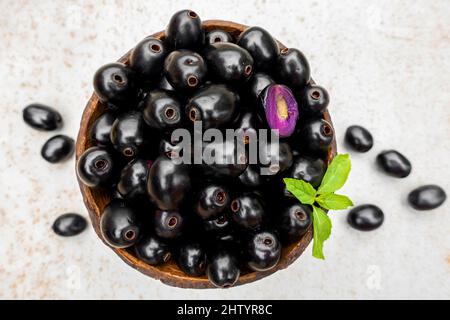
<point x="386" y="66"/>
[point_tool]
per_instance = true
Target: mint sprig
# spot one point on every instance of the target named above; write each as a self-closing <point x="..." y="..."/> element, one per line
<point x="302" y="190"/>
<point x="322" y="230"/>
<point x="333" y="201"/>
<point x="323" y="198"/>
<point x="336" y="174"/>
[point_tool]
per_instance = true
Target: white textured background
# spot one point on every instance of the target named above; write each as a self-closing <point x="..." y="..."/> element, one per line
<point x="386" y="65"/>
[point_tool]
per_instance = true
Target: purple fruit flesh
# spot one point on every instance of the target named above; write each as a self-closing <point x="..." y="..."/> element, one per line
<point x="280" y="108"/>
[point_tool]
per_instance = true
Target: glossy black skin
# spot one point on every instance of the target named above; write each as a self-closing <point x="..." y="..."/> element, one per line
<point x="258" y="83"/>
<point x="58" y="148"/>
<point x="211" y="200"/>
<point x="41" y="117"/>
<point x="164" y="84"/>
<point x="263" y="251"/>
<point x="365" y="217"/>
<point x="223" y="268"/>
<point x="317" y="135"/>
<point x="100" y="132"/>
<point x="168" y="183"/>
<point x="293" y="69"/>
<point x="276" y="162"/>
<point x="313" y="100"/>
<point x="191" y="258"/>
<point x="152" y="250"/>
<point x="261" y="45"/>
<point x="359" y="138"/>
<point x="147" y="59"/>
<point x="115" y="84"/>
<point x="293" y="220"/>
<point x="133" y="179"/>
<point x="185" y="31"/>
<point x="218" y="225"/>
<point x="127" y="133"/>
<point x="248" y="120"/>
<point x="228" y="161"/>
<point x="229" y="63"/>
<point x="252" y="177"/>
<point x="69" y="224"/>
<point x="170" y="149"/>
<point x="308" y="169"/>
<point x="427" y="197"/>
<point x="119" y="224"/>
<point x="215" y="105"/>
<point x="228" y="236"/>
<point x="95" y="167"/>
<point x="394" y="164"/>
<point x="249" y="211"/>
<point x="286" y="159"/>
<point x="183" y="66"/>
<point x="249" y="123"/>
<point x="168" y="224"/>
<point x="162" y="110"/>
<point x="218" y="35"/>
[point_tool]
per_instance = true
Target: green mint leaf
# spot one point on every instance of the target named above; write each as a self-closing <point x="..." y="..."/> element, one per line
<point x="302" y="190"/>
<point x="333" y="201"/>
<point x="336" y="175"/>
<point x="322" y="231"/>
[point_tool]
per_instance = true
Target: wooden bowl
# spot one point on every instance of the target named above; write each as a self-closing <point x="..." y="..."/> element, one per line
<point x="96" y="200"/>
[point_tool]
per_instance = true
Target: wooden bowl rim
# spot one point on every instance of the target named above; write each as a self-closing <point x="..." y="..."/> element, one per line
<point x="290" y="254"/>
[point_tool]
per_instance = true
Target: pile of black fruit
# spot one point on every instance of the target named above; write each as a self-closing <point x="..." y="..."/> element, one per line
<point x="222" y="220"/>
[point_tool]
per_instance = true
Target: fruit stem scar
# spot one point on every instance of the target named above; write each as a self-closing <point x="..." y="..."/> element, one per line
<point x="192" y="14"/>
<point x="130" y="235"/>
<point x="118" y="78"/>
<point x="100" y="164"/>
<point x="282" y="107"/>
<point x="194" y="114"/>
<point x="315" y="95"/>
<point x="170" y="113"/>
<point x="268" y="241"/>
<point x="221" y="197"/>
<point x="327" y="130"/>
<point x="248" y="70"/>
<point x="235" y="206"/>
<point x="155" y="48"/>
<point x="129" y="152"/>
<point x="173" y="221"/>
<point x="300" y="215"/>
<point x="192" y="81"/>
